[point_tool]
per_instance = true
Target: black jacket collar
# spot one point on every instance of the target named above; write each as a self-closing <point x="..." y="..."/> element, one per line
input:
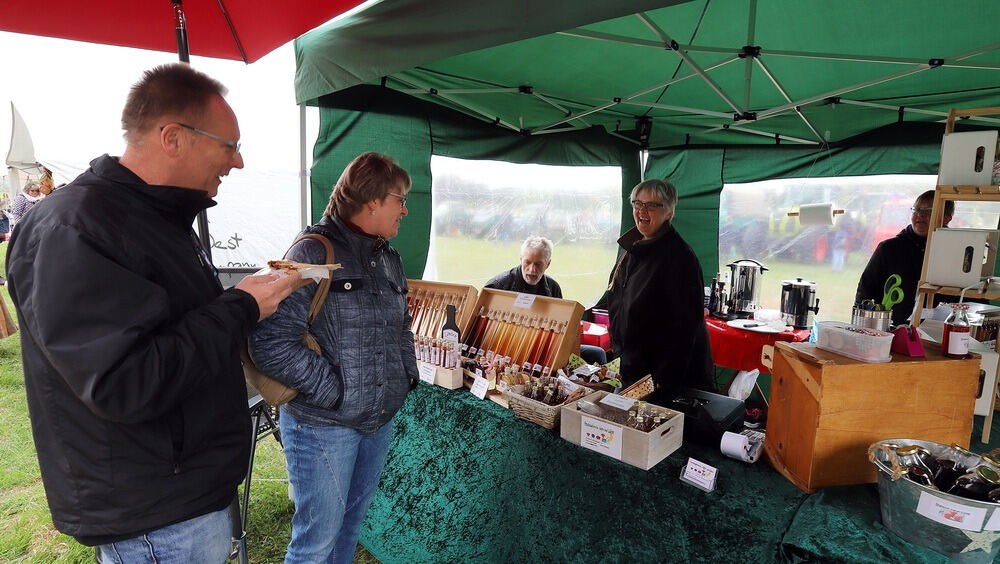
<point x="186" y="203"/>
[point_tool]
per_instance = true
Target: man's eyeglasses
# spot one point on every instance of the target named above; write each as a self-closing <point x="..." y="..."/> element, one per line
<point x="233" y="145"/>
<point x="402" y="199"/>
<point x="640" y="205"/>
<point x="921" y="211"/>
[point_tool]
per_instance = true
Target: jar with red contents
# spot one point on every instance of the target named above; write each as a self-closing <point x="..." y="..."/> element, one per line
<point x="955" y="339"/>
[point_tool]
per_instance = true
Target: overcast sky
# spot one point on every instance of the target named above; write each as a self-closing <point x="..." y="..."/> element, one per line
<point x="70" y="94"/>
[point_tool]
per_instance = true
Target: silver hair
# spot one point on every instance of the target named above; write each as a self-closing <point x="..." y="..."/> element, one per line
<point x="536" y="243"/>
<point x="664" y="189"/>
<point x="31" y="185"/>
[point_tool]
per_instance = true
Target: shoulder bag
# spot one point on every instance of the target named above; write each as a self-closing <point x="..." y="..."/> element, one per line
<point x="274" y="392"/>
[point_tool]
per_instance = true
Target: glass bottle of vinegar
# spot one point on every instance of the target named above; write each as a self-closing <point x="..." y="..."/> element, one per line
<point x="955" y="339"/>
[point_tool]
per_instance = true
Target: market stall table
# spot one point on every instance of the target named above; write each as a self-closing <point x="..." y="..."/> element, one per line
<point x="466" y="481"/>
<point x="739" y="349"/>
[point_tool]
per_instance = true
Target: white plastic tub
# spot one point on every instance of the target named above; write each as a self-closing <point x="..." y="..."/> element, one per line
<point x="871" y="345"/>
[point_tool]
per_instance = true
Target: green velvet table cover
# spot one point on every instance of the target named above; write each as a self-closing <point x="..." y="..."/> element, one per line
<point x="467" y="481"/>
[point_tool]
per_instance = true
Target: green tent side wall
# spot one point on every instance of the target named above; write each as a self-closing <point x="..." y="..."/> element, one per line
<point x="371" y="118"/>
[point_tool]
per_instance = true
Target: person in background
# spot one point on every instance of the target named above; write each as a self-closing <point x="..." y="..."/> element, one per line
<point x="529" y="277"/>
<point x="45" y="183"/>
<point x="656" y="300"/>
<point x="902" y="255"/>
<point x="336" y="431"/>
<point x="130" y="345"/>
<point x="26" y="199"/>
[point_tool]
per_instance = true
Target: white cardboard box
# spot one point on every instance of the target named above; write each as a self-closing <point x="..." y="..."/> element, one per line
<point x="631" y="446"/>
<point x="967" y="158"/>
<point x="956" y="257"/>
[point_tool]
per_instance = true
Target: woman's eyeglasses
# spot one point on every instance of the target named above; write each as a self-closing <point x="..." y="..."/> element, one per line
<point x="402" y="199"/>
<point x="640" y="205"/>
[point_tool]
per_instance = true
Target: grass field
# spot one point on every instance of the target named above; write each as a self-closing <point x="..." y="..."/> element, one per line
<point x="26" y="531"/>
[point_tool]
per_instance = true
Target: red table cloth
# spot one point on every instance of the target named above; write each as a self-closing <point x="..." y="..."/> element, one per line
<point x="740" y="348"/>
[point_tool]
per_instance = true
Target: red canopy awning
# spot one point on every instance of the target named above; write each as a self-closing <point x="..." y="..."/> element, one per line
<point x="256" y="27"/>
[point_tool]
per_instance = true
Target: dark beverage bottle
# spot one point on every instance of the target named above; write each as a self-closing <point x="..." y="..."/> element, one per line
<point x="450" y="330"/>
<point x="916" y="456"/>
<point x="920" y="476"/>
<point x="976" y="484"/>
<point x="948" y="471"/>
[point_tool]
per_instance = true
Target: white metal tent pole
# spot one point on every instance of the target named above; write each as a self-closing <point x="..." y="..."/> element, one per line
<point x="304" y="200"/>
<point x="694" y="66"/>
<point x="916" y="68"/>
<point x="909" y="109"/>
<point x="629" y="100"/>
<point x="428" y="91"/>
<point x="774" y="80"/>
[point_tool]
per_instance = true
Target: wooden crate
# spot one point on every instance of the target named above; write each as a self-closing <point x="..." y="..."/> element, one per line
<point x="432" y="297"/>
<point x="826" y="409"/>
<point x="638" y="448"/>
<point x="451" y="378"/>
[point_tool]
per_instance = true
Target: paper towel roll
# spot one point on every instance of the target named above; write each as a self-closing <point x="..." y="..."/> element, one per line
<point x="740" y="447"/>
<point x="816" y="214"/>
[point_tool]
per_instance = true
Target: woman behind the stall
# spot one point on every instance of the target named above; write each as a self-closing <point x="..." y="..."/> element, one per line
<point x="336" y="432"/>
<point x="656" y="299"/>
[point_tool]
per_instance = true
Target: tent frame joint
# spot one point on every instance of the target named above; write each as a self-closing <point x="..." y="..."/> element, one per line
<point x="749" y="51"/>
<point x="934" y="63"/>
<point x="745" y="116"/>
<point x="526" y="89"/>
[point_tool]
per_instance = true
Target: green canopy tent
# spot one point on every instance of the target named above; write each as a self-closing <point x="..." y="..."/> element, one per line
<point x="718" y="90"/>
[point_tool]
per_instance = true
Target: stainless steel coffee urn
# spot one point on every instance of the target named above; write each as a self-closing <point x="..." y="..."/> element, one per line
<point x="798" y="302"/>
<point x="744" y="289"/>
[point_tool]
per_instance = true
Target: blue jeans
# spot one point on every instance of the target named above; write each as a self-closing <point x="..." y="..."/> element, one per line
<point x="207" y="538"/>
<point x="334" y="472"/>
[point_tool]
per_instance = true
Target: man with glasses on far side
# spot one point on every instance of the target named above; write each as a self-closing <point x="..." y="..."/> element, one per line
<point x="902" y="255"/>
<point x="130" y="345"/>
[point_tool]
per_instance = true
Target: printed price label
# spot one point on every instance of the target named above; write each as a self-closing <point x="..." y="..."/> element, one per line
<point x="946" y="512"/>
<point x="601" y="436"/>
<point x="427" y="372"/>
<point x="524" y="301"/>
<point x="621" y="402"/>
<point x="700" y="475"/>
<point x="480" y="386"/>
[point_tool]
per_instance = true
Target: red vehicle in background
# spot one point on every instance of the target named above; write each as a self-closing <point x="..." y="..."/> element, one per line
<point x="894" y="216"/>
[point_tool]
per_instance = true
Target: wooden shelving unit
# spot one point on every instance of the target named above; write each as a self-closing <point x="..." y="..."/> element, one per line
<point x="957" y="193"/>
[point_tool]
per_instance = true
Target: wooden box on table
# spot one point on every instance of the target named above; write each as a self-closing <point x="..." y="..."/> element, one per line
<point x="427" y="302"/>
<point x="507" y="311"/>
<point x="826" y="409"/>
<point x="631" y="446"/>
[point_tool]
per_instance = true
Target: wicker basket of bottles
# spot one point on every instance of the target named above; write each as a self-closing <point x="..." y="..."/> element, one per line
<point x="539" y="400"/>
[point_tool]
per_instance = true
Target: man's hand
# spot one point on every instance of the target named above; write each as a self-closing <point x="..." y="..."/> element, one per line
<point x="270" y="289"/>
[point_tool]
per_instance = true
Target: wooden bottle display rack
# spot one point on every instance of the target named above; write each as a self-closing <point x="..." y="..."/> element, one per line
<point x="510" y="320"/>
<point x="427" y="302"/>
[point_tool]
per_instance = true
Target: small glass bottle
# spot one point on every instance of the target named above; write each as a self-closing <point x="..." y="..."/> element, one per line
<point x="640" y="423"/>
<point x="976" y="484"/>
<point x="955" y="339"/>
<point x="916" y="456"/>
<point x="920" y="476"/>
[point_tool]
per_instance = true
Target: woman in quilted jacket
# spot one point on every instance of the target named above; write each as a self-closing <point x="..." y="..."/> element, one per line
<point x="336" y="432"/>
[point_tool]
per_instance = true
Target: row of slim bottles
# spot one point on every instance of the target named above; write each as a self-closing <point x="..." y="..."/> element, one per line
<point x="428" y="311"/>
<point x="530" y="342"/>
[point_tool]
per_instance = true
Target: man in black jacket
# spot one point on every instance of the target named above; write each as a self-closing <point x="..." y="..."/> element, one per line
<point x="130" y="345"/>
<point x="902" y="255"/>
<point x="529" y="277"/>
